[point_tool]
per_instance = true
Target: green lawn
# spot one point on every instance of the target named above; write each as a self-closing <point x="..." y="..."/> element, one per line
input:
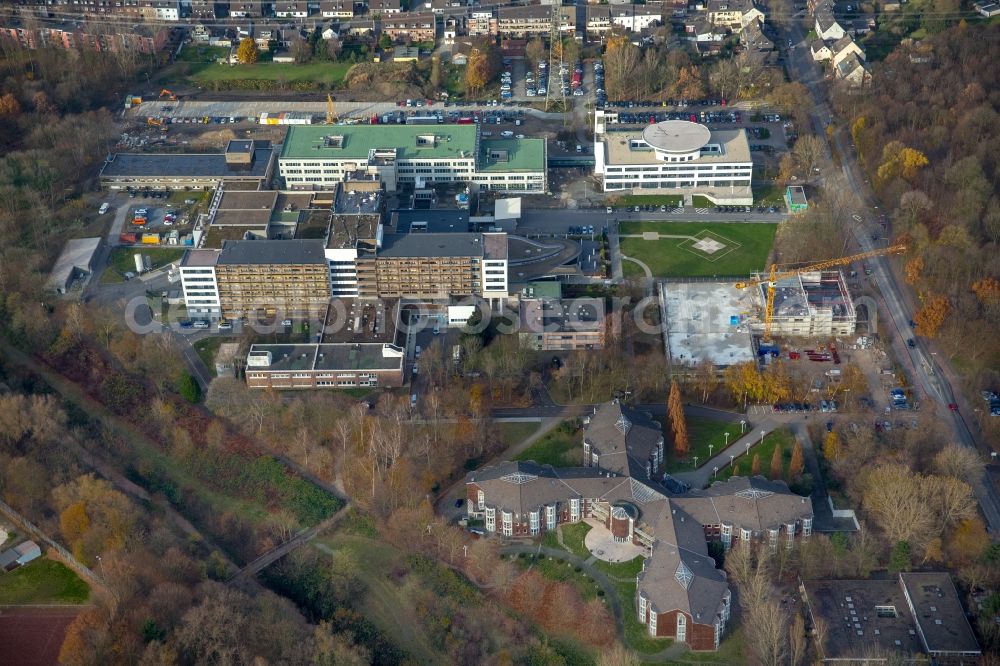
<point x="628" y="569"/>
<point x="202" y="53"/>
<point x="562" y="571"/>
<point x="782" y="437"/>
<point x="42" y="582"/>
<point x="513" y="433"/>
<point x="560" y="448"/>
<point x="669" y="200"/>
<point x="207" y="348"/>
<point x="769" y="195"/>
<point x="330" y="74"/>
<point x="699" y="201"/>
<point x="745" y="248"/>
<point x="702" y="433"/>
<point x="122" y="260"/>
<point x="637" y="634"/>
<point x="573" y="536"/>
<point x="731" y="651"/>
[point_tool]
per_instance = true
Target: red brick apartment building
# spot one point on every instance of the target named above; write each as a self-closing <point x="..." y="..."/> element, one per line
<point x="680" y="594"/>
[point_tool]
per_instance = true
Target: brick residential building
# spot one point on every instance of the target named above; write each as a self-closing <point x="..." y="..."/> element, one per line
<point x="680" y="592"/>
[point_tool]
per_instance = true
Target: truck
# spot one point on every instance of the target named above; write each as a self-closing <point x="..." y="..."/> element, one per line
<point x="128" y="238"/>
<point x="465" y="120"/>
<point x="151" y="239"/>
<point x="422" y="120"/>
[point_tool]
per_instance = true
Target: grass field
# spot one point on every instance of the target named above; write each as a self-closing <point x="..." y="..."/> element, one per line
<point x="769" y="195"/>
<point x="702" y="433"/>
<point x="628" y="569"/>
<point x="573" y="536"/>
<point x="739" y="249"/>
<point x="122" y="260"/>
<point x="42" y="582"/>
<point x="206" y="71"/>
<point x="563" y="572"/>
<point x="669" y="200"/>
<point x="558" y="448"/>
<point x="207" y="348"/>
<point x="386" y="602"/>
<point x="782" y="437"/>
<point x="512" y="433"/>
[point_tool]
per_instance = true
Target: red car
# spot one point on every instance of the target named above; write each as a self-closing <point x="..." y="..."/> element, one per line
<point x="952" y="406"/>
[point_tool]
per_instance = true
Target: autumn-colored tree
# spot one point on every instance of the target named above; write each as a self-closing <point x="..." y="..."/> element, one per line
<point x="914" y="269"/>
<point x="74" y="521"/>
<point x="797" y="463"/>
<point x="9" y="105"/>
<point x="689" y="84"/>
<point x="535" y="50"/>
<point x="435" y="79"/>
<point x="247" y="52"/>
<point x="675" y="409"/>
<point x="900" y="161"/>
<point x="476" y="71"/>
<point x="987" y="290"/>
<point x="967" y="541"/>
<point x="832" y="449"/>
<point x="776" y="464"/>
<point x="930" y="317"/>
<point x="755" y="465"/>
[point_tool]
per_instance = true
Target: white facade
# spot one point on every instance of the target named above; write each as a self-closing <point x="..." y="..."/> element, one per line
<point x="634" y="22"/>
<point x="675" y="157"/>
<point x="494" y="278"/>
<point x="343" y="272"/>
<point x="201" y="291"/>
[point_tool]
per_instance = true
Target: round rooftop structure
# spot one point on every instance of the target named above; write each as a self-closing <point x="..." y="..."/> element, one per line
<point x="676" y="136"/>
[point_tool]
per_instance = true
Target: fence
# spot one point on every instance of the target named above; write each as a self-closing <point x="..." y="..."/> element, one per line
<point x="843" y="513"/>
<point x="64" y="554"/>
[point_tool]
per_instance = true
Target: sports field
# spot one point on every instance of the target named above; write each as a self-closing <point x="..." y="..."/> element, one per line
<point x="696" y="249"/>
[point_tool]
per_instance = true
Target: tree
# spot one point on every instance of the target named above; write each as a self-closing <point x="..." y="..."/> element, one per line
<point x="333" y="48"/>
<point x="776" y="464"/>
<point x="930" y="317"/>
<point x="675" y="410"/>
<point x="832" y="449"/>
<point x="188" y="387"/>
<point x="689" y="83"/>
<point x="9" y="106"/>
<point x="618" y="656"/>
<point x="914" y="269"/>
<point x="247" y="52"/>
<point x="74" y="522"/>
<point x="476" y="71"/>
<point x="797" y="463"/>
<point x="301" y="50"/>
<point x="755" y="465"/>
<point x="435" y="78"/>
<point x="535" y="51"/>
<point x="900" y="559"/>
<point x="959" y="462"/>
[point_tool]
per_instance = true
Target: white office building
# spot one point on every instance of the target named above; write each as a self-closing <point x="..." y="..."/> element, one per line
<point x="200" y="286"/>
<point x="675" y="157"/>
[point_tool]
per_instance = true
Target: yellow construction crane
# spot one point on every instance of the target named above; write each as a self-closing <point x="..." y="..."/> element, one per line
<point x="774" y="275"/>
<point x="330" y="119"/>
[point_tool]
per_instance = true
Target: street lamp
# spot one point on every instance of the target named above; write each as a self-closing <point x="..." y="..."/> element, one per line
<point x="743" y="427"/>
<point x="748" y="448"/>
<point x="710" y="448"/>
<point x="732" y="457"/>
<point x="762" y="433"/>
<point x="715" y="472"/>
<point x="696" y="461"/>
<point x="727" y="437"/>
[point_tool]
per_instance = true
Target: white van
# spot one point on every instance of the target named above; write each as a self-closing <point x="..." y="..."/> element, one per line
<point x="413" y="400"/>
<point x="104" y="208"/>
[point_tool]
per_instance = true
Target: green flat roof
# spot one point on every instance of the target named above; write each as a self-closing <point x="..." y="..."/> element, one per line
<point x="522" y="155"/>
<point x="450" y="141"/>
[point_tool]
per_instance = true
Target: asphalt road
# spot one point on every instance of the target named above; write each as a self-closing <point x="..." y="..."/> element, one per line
<point x="923" y="364"/>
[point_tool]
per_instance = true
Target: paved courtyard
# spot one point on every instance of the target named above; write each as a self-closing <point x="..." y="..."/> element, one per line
<point x="603" y="546"/>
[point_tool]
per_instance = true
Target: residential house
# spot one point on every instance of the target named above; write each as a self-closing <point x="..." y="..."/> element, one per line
<point x="863" y="25"/>
<point x="482" y="21"/>
<point x="756" y="43"/>
<point x="446" y="6"/>
<point x="820" y="51"/>
<point x="246" y="9"/>
<point x="453" y="26"/>
<point x="417" y="27"/>
<point x="826" y="26"/>
<point x="853" y="70"/>
<point x="698" y="29"/>
<point x="598" y="19"/>
<point x="733" y="14"/>
<point x="293" y="9"/>
<point x="161" y="10"/>
<point x="988" y="9"/>
<point x="202" y="10"/>
<point x="337" y="9"/>
<point x="384" y="7"/>
<point x="526" y="21"/>
<point x="636" y="18"/>
<point x="844" y="47"/>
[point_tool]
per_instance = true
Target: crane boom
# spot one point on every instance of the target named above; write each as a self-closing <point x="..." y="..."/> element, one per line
<point x="329" y="110"/>
<point x="774" y="275"/>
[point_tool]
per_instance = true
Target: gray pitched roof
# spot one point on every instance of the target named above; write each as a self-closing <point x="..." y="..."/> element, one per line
<point x="623" y="438"/>
<point x="748" y="503"/>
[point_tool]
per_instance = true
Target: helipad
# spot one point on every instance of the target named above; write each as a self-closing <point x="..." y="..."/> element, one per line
<point x="676" y="136"/>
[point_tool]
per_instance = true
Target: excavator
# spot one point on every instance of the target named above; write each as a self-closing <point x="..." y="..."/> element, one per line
<point x="774" y="275"/>
<point x="168" y="95"/>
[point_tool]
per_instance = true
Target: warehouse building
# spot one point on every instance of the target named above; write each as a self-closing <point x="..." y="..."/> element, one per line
<point x="249" y="163"/>
<point x="320" y="157"/>
<point x="675" y="157"/>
